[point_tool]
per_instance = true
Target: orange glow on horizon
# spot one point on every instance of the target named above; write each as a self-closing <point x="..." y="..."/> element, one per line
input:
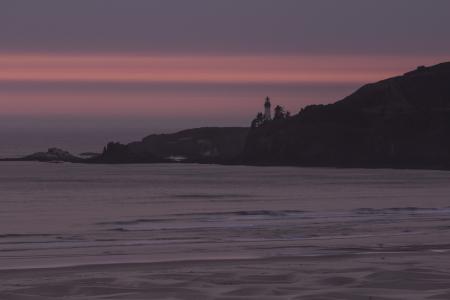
<point x="202" y="69"/>
<point x="245" y="79"/>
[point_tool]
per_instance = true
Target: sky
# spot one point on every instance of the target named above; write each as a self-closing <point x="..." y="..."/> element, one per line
<point x="162" y="65"/>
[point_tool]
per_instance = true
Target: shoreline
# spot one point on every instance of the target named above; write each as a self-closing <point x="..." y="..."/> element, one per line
<point x="262" y="165"/>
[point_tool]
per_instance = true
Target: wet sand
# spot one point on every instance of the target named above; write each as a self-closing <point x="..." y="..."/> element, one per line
<point x="415" y="272"/>
<point x="215" y="232"/>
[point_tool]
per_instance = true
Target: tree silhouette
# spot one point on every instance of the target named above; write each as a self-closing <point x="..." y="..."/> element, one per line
<point x="279" y="113"/>
<point x="258" y="121"/>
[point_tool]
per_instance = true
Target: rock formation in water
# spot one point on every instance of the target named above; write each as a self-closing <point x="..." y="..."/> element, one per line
<point x="52" y="155"/>
<point x="401" y="122"/>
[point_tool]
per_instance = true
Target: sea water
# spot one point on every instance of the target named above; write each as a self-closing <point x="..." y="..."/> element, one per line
<point x="76" y="214"/>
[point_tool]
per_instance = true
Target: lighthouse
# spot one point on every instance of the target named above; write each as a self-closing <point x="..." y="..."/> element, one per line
<point x="267" y="114"/>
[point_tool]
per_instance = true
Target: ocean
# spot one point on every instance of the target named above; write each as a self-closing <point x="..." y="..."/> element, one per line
<point x="66" y="214"/>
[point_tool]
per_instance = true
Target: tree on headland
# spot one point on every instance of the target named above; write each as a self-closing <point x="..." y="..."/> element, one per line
<point x="280" y="113"/>
<point x="258" y="121"/>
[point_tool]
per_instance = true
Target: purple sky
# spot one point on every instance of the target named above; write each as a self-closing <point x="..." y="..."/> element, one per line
<point x="231" y="26"/>
<point x="166" y="64"/>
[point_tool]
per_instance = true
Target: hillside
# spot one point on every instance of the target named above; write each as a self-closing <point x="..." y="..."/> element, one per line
<point x="204" y="145"/>
<point x="401" y="122"/>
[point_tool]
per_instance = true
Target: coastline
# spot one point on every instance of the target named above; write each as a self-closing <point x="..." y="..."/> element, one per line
<point x="239" y="164"/>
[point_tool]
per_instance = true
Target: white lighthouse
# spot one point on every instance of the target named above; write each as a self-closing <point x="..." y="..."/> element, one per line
<point x="267" y="111"/>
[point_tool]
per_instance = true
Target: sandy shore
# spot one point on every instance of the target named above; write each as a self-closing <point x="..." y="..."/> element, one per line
<point x="416" y="272"/>
<point x="214" y="232"/>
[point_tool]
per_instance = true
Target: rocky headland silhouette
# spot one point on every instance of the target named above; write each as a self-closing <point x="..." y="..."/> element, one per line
<point x="199" y="145"/>
<point x="400" y="122"/>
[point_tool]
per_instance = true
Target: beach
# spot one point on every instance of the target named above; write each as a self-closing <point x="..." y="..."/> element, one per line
<point x="415" y="272"/>
<point x="174" y="231"/>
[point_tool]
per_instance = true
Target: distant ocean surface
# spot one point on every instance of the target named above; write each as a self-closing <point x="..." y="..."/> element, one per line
<point x="75" y="214"/>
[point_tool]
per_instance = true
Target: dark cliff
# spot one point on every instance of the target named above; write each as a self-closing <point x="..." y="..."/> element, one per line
<point x="402" y="122"/>
<point x="202" y="145"/>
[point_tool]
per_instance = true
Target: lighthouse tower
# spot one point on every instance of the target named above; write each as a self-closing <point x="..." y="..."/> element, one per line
<point x="267" y="114"/>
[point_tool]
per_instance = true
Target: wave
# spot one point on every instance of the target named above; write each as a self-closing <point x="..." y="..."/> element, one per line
<point x="210" y="196"/>
<point x="272" y="213"/>
<point x="393" y="210"/>
<point x="133" y="222"/>
<point x="24" y="235"/>
<point x="208" y="216"/>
